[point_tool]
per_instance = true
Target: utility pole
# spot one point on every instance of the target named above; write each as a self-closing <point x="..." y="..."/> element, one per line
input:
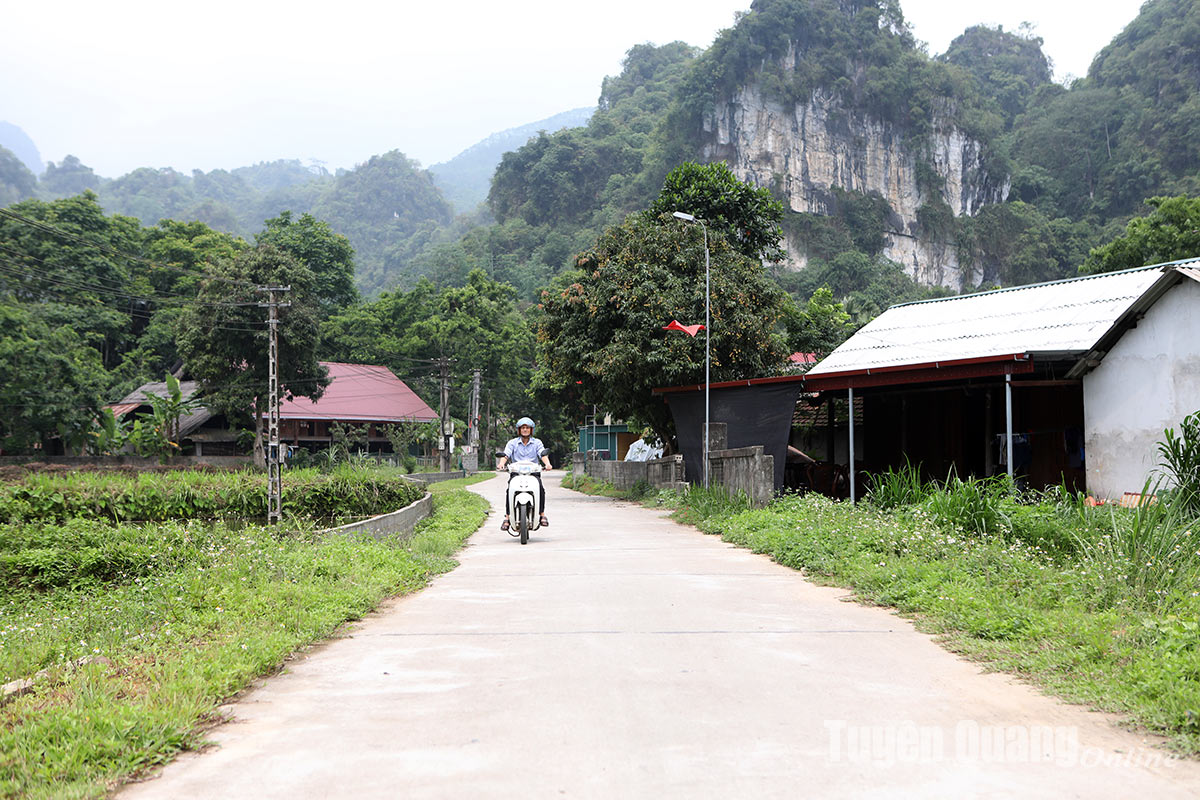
<point x="444" y="364"/>
<point x="274" y="477"/>
<point x="471" y="454"/>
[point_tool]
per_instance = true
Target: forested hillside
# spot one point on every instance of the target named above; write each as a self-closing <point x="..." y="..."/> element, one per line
<point x="1057" y="170"/>
<point x="1046" y="172"/>
<point x="466" y="178"/>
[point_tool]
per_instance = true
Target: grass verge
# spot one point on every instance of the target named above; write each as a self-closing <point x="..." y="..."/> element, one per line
<point x="169" y="645"/>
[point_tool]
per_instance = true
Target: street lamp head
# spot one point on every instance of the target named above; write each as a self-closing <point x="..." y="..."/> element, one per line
<point x="683" y="216"/>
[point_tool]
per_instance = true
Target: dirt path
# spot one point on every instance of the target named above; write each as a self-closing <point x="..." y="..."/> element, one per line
<point x="622" y="655"/>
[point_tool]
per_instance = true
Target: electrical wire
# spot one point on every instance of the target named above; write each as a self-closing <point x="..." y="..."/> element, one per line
<point x="163" y="298"/>
<point x="15" y="269"/>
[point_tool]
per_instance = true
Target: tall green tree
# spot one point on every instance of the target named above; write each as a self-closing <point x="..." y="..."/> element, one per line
<point x="747" y="215"/>
<point x="1170" y="232"/>
<point x="51" y="381"/>
<point x="475" y="326"/>
<point x="223" y="337"/>
<point x="818" y="326"/>
<point x="601" y="337"/>
<point x="329" y="255"/>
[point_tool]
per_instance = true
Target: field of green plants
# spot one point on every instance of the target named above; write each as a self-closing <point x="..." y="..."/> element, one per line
<point x="1099" y="605"/>
<point x="139" y="603"/>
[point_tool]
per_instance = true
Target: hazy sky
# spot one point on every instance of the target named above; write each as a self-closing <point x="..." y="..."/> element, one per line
<point x="131" y="83"/>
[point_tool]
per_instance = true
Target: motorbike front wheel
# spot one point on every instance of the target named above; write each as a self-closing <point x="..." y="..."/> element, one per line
<point x="523" y="523"/>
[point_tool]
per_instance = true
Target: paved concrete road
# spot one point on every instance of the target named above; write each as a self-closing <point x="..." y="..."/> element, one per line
<point x="621" y="655"/>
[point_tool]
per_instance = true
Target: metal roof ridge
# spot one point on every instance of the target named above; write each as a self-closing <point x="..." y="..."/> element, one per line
<point x="1045" y="283"/>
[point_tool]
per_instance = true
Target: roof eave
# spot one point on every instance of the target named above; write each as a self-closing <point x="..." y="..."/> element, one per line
<point x="1172" y="276"/>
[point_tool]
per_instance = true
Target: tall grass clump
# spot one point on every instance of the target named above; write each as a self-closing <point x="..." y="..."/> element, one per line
<point x="698" y="503"/>
<point x="896" y="488"/>
<point x="1152" y="549"/>
<point x="1181" y="460"/>
<point x="976" y="505"/>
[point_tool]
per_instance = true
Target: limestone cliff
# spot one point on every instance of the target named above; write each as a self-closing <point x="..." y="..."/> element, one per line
<point x="808" y="149"/>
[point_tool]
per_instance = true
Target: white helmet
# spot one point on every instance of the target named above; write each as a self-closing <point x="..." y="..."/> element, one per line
<point x="526" y="421"/>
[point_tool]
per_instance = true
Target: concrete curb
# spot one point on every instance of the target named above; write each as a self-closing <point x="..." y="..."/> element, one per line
<point x="435" y="477"/>
<point x="397" y="522"/>
<point x="14" y="689"/>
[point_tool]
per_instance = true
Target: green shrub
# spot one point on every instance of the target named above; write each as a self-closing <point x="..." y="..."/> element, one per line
<point x="1042" y="526"/>
<point x="202" y="495"/>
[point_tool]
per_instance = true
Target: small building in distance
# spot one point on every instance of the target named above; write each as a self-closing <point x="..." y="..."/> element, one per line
<point x="358" y="394"/>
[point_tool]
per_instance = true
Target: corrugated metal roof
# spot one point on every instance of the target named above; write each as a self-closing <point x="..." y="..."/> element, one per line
<point x="1062" y="318"/>
<point x="360" y="392"/>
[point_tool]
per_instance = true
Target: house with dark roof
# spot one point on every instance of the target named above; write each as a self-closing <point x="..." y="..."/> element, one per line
<point x="1070" y="381"/>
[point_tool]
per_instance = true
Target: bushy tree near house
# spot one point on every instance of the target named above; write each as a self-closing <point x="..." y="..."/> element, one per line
<point x="223" y="337"/>
<point x="600" y="334"/>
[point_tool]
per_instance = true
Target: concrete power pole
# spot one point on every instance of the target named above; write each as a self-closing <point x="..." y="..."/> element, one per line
<point x="274" y="462"/>
<point x="444" y="363"/>
<point x="471" y="453"/>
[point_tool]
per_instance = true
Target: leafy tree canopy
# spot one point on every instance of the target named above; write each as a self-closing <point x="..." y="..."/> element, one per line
<point x="818" y="326"/>
<point x="1170" y="232"/>
<point x="747" y="215"/>
<point x="70" y="177"/>
<point x="601" y="337"/>
<point x="223" y="337"/>
<point x="328" y="254"/>
<point x="1008" y="66"/>
<point x="51" y="381"/>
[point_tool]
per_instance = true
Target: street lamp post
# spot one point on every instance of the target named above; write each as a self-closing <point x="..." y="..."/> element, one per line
<point x="707" y="295"/>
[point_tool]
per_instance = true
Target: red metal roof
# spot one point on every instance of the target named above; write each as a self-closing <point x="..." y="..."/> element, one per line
<point x="362" y="393"/>
<point x="121" y="409"/>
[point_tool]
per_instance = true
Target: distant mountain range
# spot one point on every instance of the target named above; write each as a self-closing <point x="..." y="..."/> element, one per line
<point x="416" y="202"/>
<point x="16" y="140"/>
<point x="465" y="179"/>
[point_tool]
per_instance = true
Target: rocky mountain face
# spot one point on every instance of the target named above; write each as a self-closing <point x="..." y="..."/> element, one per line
<point x="807" y="150"/>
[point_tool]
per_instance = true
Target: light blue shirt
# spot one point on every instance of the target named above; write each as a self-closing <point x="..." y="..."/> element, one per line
<point x="516" y="451"/>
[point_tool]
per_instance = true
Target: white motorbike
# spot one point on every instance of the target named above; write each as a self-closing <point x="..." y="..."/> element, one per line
<point x="524" y="498"/>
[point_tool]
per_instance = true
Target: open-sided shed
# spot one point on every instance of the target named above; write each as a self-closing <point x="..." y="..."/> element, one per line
<point x="1071" y="381"/>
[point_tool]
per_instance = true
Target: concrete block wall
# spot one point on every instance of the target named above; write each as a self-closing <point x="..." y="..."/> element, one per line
<point x="661" y="473"/>
<point x="744" y="469"/>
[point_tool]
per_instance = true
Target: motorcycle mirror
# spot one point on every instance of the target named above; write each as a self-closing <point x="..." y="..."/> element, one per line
<point x="543" y="452"/>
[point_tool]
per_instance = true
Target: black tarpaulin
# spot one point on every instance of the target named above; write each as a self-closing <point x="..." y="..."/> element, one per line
<point x="760" y="414"/>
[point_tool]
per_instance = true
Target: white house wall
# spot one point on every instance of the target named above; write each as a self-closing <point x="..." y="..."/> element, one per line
<point x="1148" y="382"/>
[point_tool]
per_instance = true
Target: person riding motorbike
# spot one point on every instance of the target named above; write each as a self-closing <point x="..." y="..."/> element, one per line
<point x="525" y="448"/>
